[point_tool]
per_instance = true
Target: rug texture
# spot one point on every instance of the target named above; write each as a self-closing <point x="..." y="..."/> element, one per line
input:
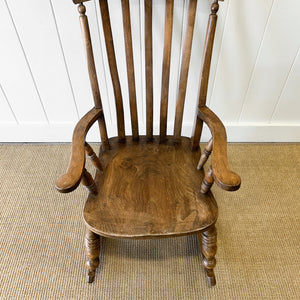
<point x="41" y="235"/>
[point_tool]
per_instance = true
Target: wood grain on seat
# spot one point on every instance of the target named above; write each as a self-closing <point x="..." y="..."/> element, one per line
<point x="149" y="190"/>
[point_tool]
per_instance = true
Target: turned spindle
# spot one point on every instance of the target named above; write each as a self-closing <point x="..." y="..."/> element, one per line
<point x="206" y="63"/>
<point x="93" y="157"/>
<point x="88" y="182"/>
<point x="92" y="251"/>
<point x="92" y="70"/>
<point x="207" y="181"/>
<point x="205" y="155"/>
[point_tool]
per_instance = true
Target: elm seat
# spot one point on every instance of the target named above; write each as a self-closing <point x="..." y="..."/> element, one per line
<point x="149" y="190"/>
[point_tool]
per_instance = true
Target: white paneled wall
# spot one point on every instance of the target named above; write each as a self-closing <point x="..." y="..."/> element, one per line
<point x="254" y="83"/>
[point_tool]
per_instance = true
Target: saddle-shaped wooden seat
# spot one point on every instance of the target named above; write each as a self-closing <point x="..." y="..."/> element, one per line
<point x="150" y="186"/>
<point x="149" y="190"/>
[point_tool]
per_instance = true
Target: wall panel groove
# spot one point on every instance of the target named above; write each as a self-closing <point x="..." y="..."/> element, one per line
<point x="40" y="43"/>
<point x="285" y="85"/>
<point x="277" y="54"/>
<point x="64" y="57"/>
<point x="15" y="68"/>
<point x="6" y="112"/>
<point x="256" y="60"/>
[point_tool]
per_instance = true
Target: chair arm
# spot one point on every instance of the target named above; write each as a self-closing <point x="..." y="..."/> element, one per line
<point x="70" y="181"/>
<point x="223" y="177"/>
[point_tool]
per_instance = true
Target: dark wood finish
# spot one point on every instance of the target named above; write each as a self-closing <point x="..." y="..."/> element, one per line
<point x="113" y="67"/>
<point x="79" y="1"/>
<point x="166" y="68"/>
<point x="207" y="181"/>
<point x="208" y="48"/>
<point x="206" y="62"/>
<point x="209" y="249"/>
<point x="130" y="68"/>
<point x="149" y="68"/>
<point x="224" y="178"/>
<point x="89" y="183"/>
<point x="185" y="68"/>
<point x="93" y="157"/>
<point x="149" y="190"/>
<point x="92" y="72"/>
<point x="69" y="181"/>
<point x="205" y="155"/>
<point x="149" y="186"/>
<point x="92" y="251"/>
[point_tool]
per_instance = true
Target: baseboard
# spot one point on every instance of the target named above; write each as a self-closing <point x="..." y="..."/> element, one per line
<point x="61" y="133"/>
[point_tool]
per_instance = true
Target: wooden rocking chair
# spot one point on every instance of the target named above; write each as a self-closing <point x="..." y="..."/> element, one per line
<point x="150" y="186"/>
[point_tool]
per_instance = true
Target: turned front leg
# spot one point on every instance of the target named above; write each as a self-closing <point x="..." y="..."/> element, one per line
<point x="208" y="239"/>
<point x="92" y="251"/>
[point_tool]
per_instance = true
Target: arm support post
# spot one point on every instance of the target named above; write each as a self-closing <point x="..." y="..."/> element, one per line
<point x="205" y="155"/>
<point x="207" y="182"/>
<point x="93" y="157"/>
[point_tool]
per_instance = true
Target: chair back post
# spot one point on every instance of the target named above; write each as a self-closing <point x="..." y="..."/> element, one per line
<point x="92" y="70"/>
<point x="206" y="63"/>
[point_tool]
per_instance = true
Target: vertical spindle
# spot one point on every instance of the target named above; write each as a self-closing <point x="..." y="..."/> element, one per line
<point x="166" y="69"/>
<point x="185" y="68"/>
<point x="113" y="68"/>
<point x="130" y="68"/>
<point x="149" y="69"/>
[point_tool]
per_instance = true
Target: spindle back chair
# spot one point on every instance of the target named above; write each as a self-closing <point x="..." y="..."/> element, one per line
<point x="149" y="186"/>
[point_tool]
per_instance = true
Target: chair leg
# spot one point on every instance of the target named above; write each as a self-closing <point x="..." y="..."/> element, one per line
<point x="92" y="251"/>
<point x="209" y="250"/>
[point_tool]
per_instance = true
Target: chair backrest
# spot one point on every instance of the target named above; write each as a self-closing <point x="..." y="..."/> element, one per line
<point x="184" y="68"/>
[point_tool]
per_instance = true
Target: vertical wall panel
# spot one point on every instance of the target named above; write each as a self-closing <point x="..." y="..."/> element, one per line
<point x="39" y="38"/>
<point x="15" y="76"/>
<point x="288" y="108"/>
<point x="276" y="57"/>
<point x="241" y="44"/>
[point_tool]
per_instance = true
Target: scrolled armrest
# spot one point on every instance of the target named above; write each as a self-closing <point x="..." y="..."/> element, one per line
<point x="223" y="177"/>
<point x="70" y="181"/>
